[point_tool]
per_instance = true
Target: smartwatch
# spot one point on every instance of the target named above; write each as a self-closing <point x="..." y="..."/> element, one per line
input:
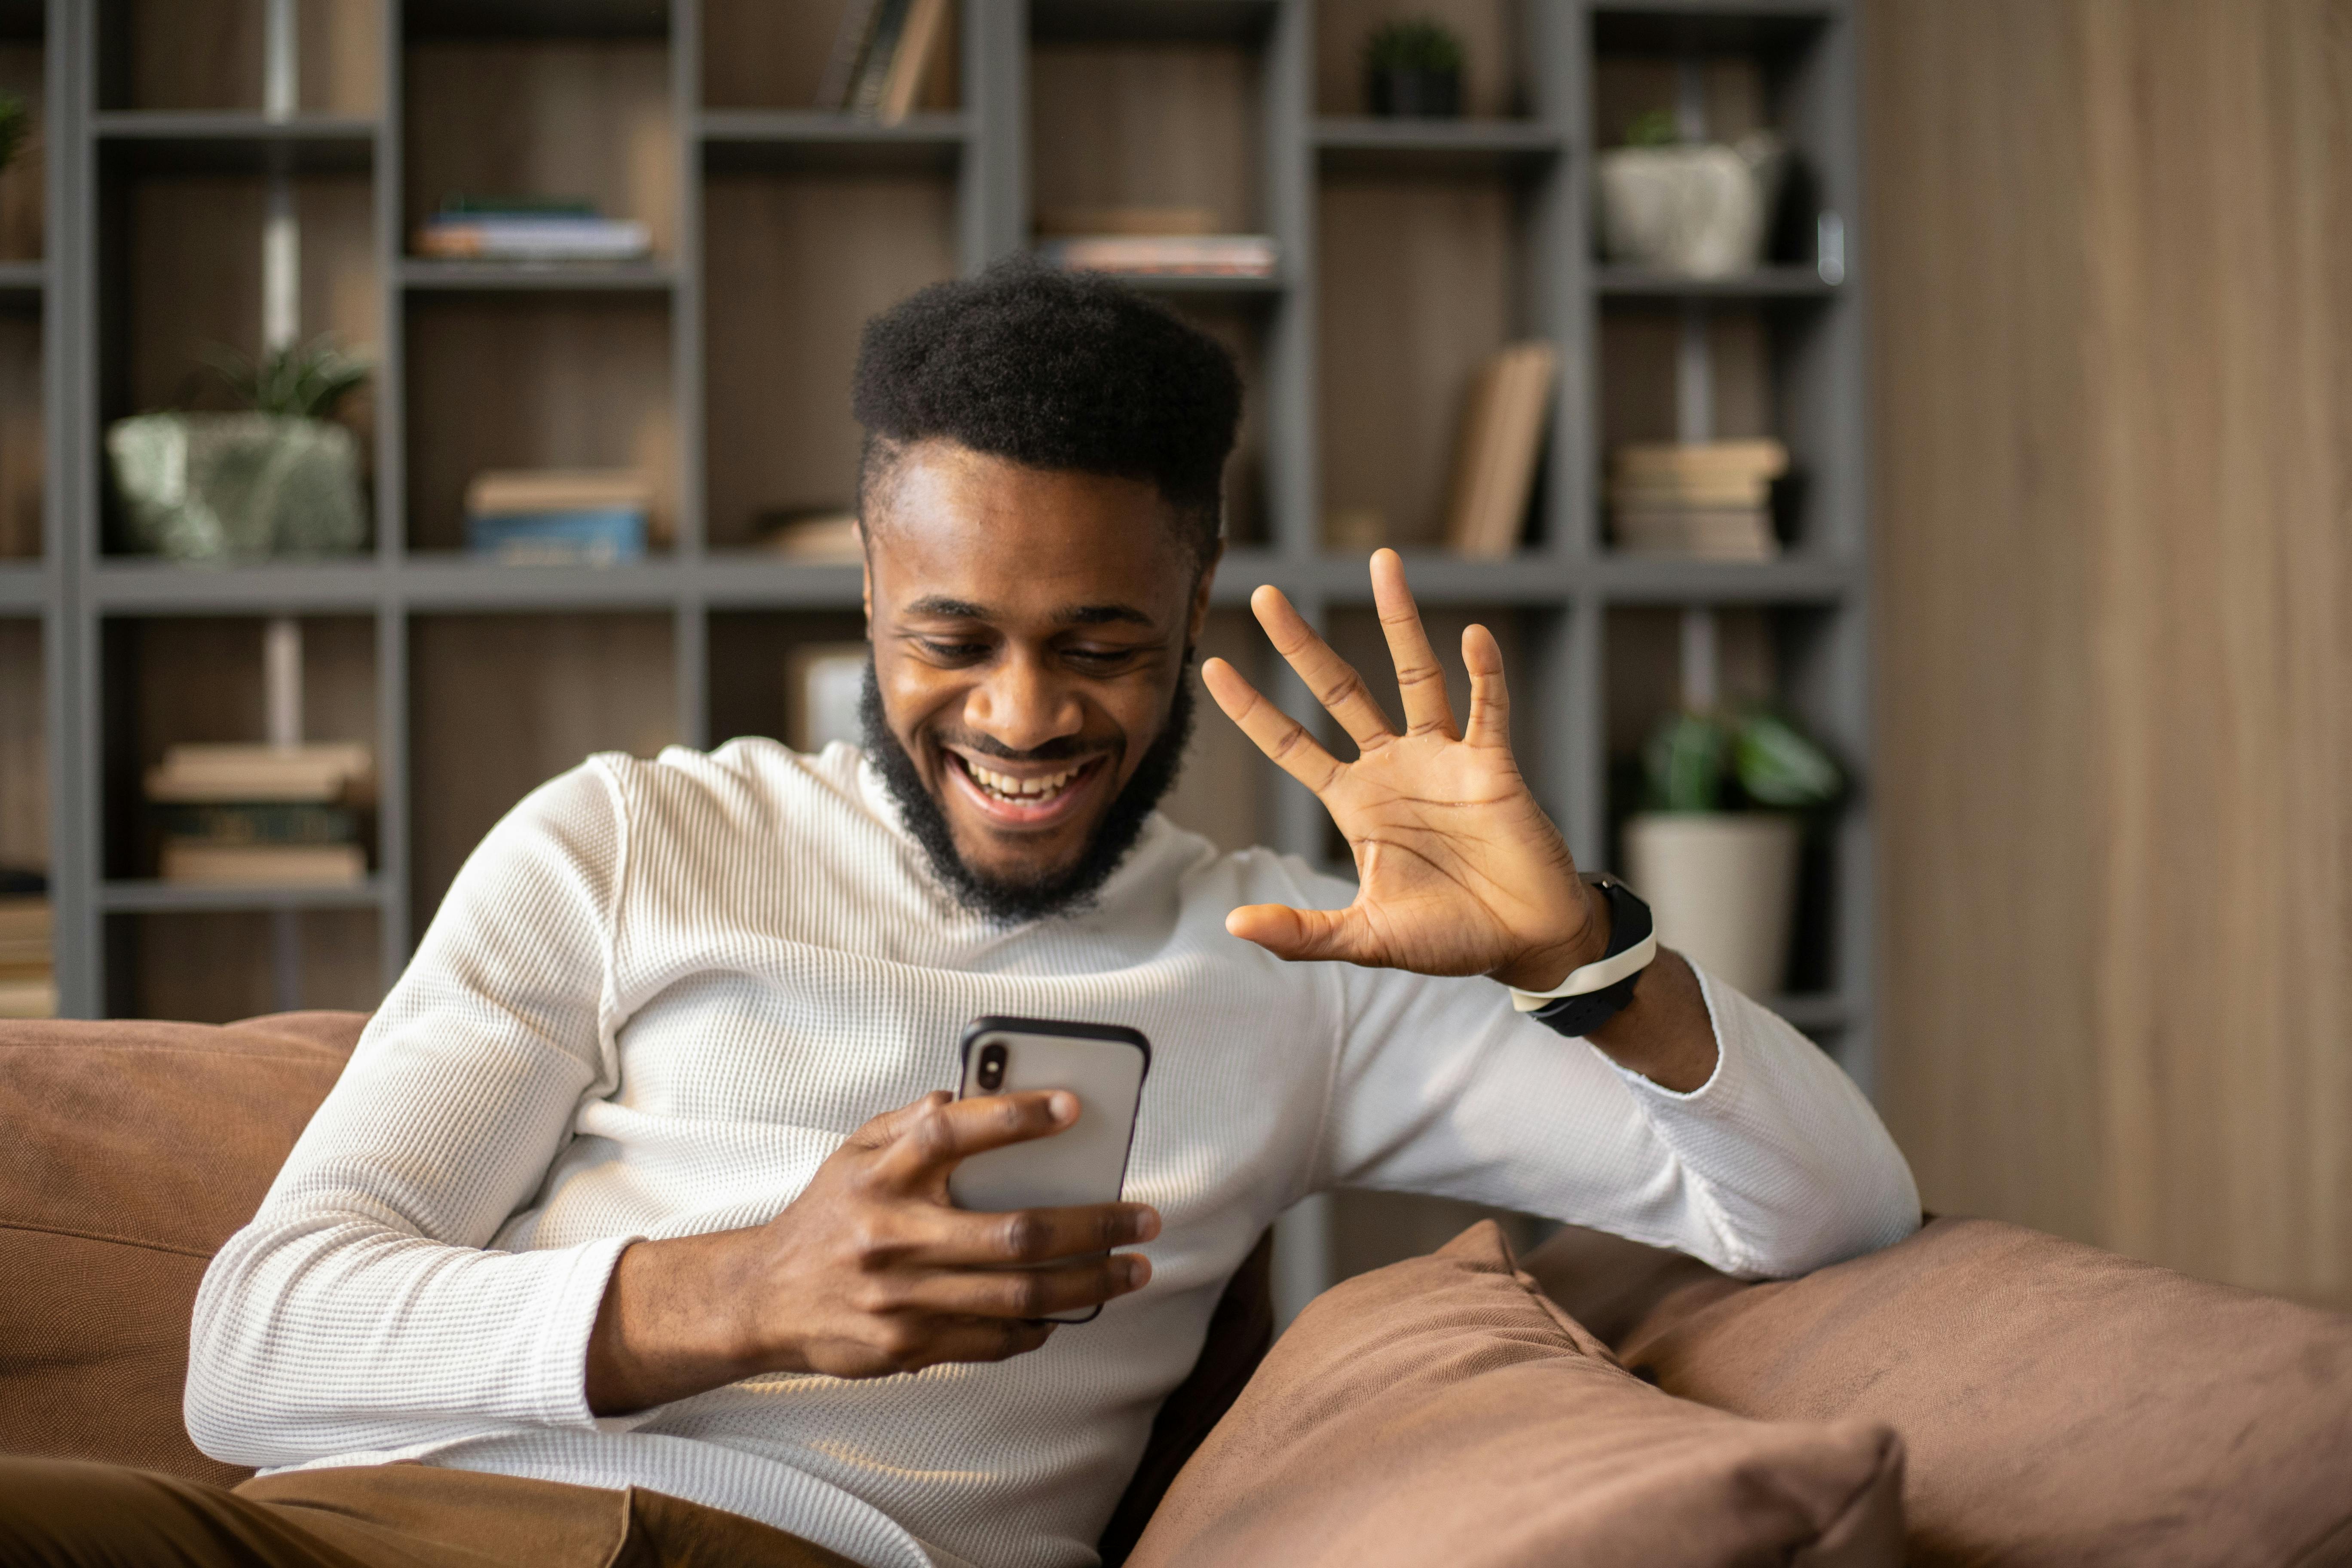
<point x="1595" y="994"/>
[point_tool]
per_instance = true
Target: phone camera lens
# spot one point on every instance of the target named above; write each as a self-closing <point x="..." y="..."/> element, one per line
<point x="991" y="1066"/>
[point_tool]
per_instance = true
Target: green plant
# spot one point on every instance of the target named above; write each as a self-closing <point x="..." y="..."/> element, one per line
<point x="1654" y="128"/>
<point x="308" y="381"/>
<point x="1741" y="756"/>
<point x="1412" y="43"/>
<point x="16" y="124"/>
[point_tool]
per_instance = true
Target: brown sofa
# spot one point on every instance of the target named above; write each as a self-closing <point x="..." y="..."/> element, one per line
<point x="1979" y="1394"/>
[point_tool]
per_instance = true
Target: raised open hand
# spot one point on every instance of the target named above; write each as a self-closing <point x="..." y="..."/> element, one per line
<point x="1460" y="871"/>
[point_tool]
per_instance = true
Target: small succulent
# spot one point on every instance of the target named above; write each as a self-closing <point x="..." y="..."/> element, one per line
<point x="308" y="381"/>
<point x="1412" y="43"/>
<point x="16" y="125"/>
<point x="1654" y="128"/>
<point x="1724" y="758"/>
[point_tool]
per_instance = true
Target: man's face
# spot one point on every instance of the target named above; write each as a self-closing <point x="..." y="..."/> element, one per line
<point x="1030" y="628"/>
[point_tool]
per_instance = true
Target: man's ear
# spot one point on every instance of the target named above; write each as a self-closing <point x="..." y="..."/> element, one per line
<point x="1200" y="618"/>
<point x="865" y="580"/>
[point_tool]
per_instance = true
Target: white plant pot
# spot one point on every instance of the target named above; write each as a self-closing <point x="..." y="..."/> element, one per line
<point x="1698" y="211"/>
<point x="1722" y="888"/>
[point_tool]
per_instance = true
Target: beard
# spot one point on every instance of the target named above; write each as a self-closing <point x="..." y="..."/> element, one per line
<point x="1015" y="901"/>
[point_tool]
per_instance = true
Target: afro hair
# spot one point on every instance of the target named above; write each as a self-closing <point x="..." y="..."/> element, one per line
<point x="1052" y="370"/>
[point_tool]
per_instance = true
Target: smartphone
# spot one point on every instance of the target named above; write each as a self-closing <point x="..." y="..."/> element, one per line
<point x="1085" y="1162"/>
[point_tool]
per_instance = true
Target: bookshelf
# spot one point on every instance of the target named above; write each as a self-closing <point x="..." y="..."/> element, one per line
<point x="1409" y="251"/>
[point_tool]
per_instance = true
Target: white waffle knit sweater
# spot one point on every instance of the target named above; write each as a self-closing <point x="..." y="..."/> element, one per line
<point x="659" y="994"/>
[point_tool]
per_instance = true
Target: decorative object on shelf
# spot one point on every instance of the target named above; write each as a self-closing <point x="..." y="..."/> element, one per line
<point x="1412" y="68"/>
<point x="881" y="54"/>
<point x="529" y="228"/>
<point x="1696" y="209"/>
<point x="1166" y="255"/>
<point x="15" y="126"/>
<point x="1715" y="854"/>
<point x="28" y="980"/>
<point x="560" y="517"/>
<point x="282" y="479"/>
<point x="1501" y="442"/>
<point x="263" y="816"/>
<point x="823" y="685"/>
<point x="1695" y="501"/>
<point x="820" y="534"/>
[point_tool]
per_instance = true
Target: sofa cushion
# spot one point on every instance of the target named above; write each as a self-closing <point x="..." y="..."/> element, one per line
<point x="2059" y="1405"/>
<point x="1442" y="1409"/>
<point x="133" y="1150"/>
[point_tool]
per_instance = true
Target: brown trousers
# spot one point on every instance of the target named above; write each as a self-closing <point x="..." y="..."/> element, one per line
<point x="59" y="1513"/>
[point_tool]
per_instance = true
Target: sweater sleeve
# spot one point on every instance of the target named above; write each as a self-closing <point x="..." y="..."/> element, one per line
<point x="1775" y="1165"/>
<point x="360" y="1311"/>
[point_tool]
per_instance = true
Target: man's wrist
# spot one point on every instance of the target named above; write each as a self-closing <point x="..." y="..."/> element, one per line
<point x="1547" y="966"/>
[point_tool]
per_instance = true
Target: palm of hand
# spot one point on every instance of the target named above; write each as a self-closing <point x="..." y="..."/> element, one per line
<point x="1460" y="871"/>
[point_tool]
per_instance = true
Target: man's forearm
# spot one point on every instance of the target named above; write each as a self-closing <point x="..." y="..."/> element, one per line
<point x="658" y="1338"/>
<point x="1664" y="1032"/>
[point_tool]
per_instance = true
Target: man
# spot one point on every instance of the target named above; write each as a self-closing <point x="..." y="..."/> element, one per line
<point x="639" y="1179"/>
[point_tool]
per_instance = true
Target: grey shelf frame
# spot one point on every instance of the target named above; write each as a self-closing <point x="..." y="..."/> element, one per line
<point x="1565" y="586"/>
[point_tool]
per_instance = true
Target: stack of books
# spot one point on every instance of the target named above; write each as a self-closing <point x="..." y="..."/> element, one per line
<point x="1501" y="444"/>
<point x="28" y="983"/>
<point x="1166" y="255"/>
<point x="262" y="816"/>
<point x="529" y="228"/>
<point x="1697" y="500"/>
<point x="560" y="517"/>
<point x="880" y="55"/>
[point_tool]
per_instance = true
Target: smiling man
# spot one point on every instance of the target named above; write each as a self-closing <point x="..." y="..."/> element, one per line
<point x="626" y="1234"/>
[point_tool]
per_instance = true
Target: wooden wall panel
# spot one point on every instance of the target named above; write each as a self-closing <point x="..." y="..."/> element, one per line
<point x="2111" y="336"/>
<point x="24" y="745"/>
<point x="1149" y="124"/>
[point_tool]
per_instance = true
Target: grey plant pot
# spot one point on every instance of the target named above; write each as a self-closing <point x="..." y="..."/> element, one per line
<point x="1414" y="94"/>
<point x="220" y="487"/>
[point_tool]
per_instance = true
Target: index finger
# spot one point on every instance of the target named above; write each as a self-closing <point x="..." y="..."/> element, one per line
<point x="934" y="1138"/>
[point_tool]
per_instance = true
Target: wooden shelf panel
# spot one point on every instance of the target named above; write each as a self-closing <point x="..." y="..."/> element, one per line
<point x="234" y="141"/>
<point x="757" y="139"/>
<point x="144" y="897"/>
<point x="1709" y="26"/>
<point x="536" y="19"/>
<point x="537" y="277"/>
<point x="1363" y="145"/>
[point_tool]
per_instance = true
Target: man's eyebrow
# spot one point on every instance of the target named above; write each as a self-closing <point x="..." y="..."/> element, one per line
<point x="1103" y="616"/>
<point x="940" y="605"/>
<point x="946" y="608"/>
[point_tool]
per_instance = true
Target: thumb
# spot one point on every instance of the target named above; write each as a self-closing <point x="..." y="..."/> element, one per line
<point x="1295" y="934"/>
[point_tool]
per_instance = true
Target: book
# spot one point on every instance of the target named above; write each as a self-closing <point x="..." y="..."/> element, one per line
<point x="524" y="236"/>
<point x="31" y="997"/>
<point x="263" y="864"/>
<point x="1696" y="534"/>
<point x="874" y="65"/>
<point x="24" y="920"/>
<point x="1204" y="255"/>
<point x="1668" y="460"/>
<point x="919" y="45"/>
<point x="322" y="772"/>
<point x="260" y="822"/>
<point x="596" y="536"/>
<point x="500" y="491"/>
<point x="848" y="48"/>
<point x="812" y="535"/>
<point x="1501" y="442"/>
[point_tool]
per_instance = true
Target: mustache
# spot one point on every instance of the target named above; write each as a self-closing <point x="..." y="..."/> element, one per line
<point x="1068" y="748"/>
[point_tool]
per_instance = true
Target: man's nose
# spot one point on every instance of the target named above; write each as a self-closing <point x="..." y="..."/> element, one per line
<point x="1022" y="706"/>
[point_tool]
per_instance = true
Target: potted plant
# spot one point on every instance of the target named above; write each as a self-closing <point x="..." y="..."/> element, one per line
<point x="1699" y="209"/>
<point x="1714" y="852"/>
<point x="281" y="479"/>
<point x="1413" y="67"/>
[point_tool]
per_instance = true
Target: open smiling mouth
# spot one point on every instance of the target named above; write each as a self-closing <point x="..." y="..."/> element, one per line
<point x="1024" y="799"/>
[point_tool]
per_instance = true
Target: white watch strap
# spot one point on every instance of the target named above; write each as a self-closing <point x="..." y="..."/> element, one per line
<point x="1596" y="976"/>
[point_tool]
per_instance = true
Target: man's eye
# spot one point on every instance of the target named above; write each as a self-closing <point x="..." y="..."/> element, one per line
<point x="955" y="652"/>
<point x="1099" y="658"/>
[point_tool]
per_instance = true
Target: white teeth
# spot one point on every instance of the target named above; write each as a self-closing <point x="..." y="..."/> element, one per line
<point x="1004" y="786"/>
